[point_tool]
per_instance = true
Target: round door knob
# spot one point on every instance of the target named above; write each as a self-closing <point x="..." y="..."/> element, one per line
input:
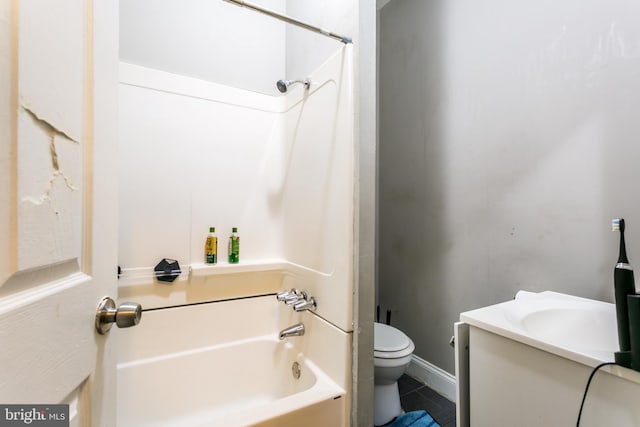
<point x="125" y="316"/>
<point x="128" y="314"/>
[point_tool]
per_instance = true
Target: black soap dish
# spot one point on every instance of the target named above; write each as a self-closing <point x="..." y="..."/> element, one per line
<point x="167" y="270"/>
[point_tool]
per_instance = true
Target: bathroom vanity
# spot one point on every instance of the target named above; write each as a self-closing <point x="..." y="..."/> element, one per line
<point x="526" y="362"/>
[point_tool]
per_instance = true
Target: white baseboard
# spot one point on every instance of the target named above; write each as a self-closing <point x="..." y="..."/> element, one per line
<point x="437" y="379"/>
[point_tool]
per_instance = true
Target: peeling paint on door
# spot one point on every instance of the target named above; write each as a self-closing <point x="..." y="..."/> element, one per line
<point x="55" y="164"/>
<point x="49" y="191"/>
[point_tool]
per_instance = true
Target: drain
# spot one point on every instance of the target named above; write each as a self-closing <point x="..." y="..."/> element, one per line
<point x="295" y="370"/>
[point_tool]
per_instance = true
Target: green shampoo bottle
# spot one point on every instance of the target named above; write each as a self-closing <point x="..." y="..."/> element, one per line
<point x="234" y="246"/>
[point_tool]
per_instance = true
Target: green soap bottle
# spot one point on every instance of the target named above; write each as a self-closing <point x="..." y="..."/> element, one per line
<point x="211" y="247"/>
<point x="234" y="246"/>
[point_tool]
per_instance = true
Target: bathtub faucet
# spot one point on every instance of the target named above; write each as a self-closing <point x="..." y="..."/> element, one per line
<point x="305" y="305"/>
<point x="291" y="297"/>
<point x="298" y="299"/>
<point x="292" y="331"/>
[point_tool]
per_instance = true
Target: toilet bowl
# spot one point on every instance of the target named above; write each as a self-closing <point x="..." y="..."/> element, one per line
<point x="392" y="354"/>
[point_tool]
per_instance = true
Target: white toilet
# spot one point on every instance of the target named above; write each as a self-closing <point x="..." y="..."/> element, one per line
<point x="392" y="354"/>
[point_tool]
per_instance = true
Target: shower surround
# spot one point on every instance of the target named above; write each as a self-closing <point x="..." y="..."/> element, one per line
<point x="195" y="154"/>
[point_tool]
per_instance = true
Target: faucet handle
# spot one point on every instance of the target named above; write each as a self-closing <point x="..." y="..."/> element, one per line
<point x="306" y="305"/>
<point x="295" y="298"/>
<point x="282" y="295"/>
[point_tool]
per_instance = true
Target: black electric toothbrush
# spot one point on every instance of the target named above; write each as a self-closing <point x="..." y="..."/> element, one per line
<point x="623" y="285"/>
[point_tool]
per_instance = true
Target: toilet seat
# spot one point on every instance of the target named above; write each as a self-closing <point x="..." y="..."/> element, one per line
<point x="390" y="343"/>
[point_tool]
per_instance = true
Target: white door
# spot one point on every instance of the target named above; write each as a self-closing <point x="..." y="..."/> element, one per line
<point x="58" y="227"/>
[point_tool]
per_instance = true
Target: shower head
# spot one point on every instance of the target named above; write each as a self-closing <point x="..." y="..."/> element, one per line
<point x="283" y="85"/>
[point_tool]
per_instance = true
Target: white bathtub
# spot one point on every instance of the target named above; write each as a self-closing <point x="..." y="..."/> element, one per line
<point x="221" y="364"/>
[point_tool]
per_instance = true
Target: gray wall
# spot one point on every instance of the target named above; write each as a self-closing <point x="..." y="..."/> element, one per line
<point x="508" y="140"/>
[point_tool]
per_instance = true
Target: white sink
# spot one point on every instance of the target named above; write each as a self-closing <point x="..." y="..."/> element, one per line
<point x="580" y="328"/>
<point x="554" y="322"/>
<point x="525" y="362"/>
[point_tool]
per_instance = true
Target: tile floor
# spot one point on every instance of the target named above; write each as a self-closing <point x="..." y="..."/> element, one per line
<point x="415" y="396"/>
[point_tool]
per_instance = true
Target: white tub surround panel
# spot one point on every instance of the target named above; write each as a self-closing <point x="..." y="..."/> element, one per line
<point x="318" y="193"/>
<point x="201" y="283"/>
<point x="150" y="78"/>
<point x="197" y="154"/>
<point x="189" y="162"/>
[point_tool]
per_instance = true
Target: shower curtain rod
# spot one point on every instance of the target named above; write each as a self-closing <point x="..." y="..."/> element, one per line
<point x="289" y="20"/>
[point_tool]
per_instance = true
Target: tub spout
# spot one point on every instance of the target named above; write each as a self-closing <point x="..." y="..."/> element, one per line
<point x="292" y="331"/>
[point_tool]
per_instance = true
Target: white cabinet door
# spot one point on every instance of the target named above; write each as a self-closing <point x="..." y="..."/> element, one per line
<point x="58" y="227"/>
